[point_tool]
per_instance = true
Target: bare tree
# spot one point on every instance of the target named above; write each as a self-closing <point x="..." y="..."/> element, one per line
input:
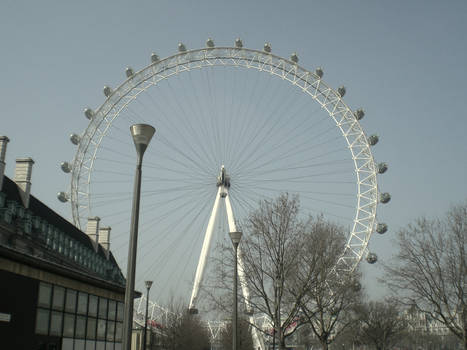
<point x="183" y="331"/>
<point x="380" y="324"/>
<point x="430" y="272"/>
<point x="328" y="304"/>
<point x="245" y="340"/>
<point x="269" y="253"/>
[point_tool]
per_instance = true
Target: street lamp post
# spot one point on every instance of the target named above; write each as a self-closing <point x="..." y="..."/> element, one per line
<point x="148" y="287"/>
<point x="235" y="237"/>
<point x="142" y="134"/>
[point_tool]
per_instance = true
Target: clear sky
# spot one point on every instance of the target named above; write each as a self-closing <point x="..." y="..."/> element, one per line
<point x="404" y="62"/>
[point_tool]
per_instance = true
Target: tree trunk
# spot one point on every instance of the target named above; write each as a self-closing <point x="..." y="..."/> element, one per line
<point x="324" y="344"/>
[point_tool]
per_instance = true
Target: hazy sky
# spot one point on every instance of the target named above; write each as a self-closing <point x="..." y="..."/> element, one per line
<point x="404" y="62"/>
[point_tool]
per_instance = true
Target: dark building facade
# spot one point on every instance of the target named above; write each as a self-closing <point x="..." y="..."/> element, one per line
<point x="60" y="288"/>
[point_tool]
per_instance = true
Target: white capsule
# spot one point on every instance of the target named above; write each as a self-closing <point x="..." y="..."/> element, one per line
<point x="63" y="197"/>
<point x="341" y="91"/>
<point x="154" y="58"/>
<point x="371" y="258"/>
<point x="181" y="47"/>
<point x="129" y="72"/>
<point x="238" y="43"/>
<point x="65" y="167"/>
<point x="319" y="72"/>
<point x="359" y="114"/>
<point x="373" y="140"/>
<point x="294" y="57"/>
<point x="88" y="113"/>
<point x="210" y="43"/>
<point x="74" y="139"/>
<point x="107" y="91"/>
<point x="267" y="47"/>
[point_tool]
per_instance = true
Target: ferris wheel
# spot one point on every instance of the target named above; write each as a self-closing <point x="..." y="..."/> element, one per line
<point x="234" y="126"/>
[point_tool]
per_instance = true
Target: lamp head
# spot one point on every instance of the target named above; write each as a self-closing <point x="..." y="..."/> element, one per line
<point x="142" y="135"/>
<point x="148" y="284"/>
<point x="235" y="237"/>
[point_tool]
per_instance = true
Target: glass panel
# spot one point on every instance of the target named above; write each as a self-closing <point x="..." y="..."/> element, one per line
<point x="90" y="345"/>
<point x="110" y="331"/>
<point x="112" y="310"/>
<point x="91" y="333"/>
<point x="118" y="331"/>
<point x="80" y="327"/>
<point x="120" y="311"/>
<point x="58" y="298"/>
<point x="118" y="346"/>
<point x="92" y="311"/>
<point x="110" y="346"/>
<point x="67" y="344"/>
<point x="70" y="305"/>
<point x="79" y="344"/>
<point x="42" y="321"/>
<point x="45" y="294"/>
<point x="101" y="329"/>
<point x="102" y="308"/>
<point x="68" y="325"/>
<point x="100" y="345"/>
<point x="56" y="323"/>
<point x="82" y="303"/>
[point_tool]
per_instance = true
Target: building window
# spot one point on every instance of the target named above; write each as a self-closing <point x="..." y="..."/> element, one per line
<point x="112" y="310"/>
<point x="101" y="329"/>
<point x="45" y="294"/>
<point x="92" y="310"/>
<point x="58" y="298"/>
<point x="42" y="321"/>
<point x="68" y="325"/>
<point x="56" y="323"/>
<point x="91" y="328"/>
<point x="120" y="312"/>
<point x="80" y="327"/>
<point x="82" y="303"/>
<point x="102" y="308"/>
<point x="70" y="305"/>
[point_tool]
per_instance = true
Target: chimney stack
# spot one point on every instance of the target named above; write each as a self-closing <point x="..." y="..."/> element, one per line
<point x="104" y="239"/>
<point x="3" y="143"/>
<point x="23" y="178"/>
<point x="92" y="230"/>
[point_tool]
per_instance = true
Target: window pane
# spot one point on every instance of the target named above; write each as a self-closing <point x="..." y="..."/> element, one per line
<point x="79" y="344"/>
<point x="120" y="312"/>
<point x="90" y="345"/>
<point x="118" y="331"/>
<point x="110" y="331"/>
<point x="58" y="298"/>
<point x="82" y="303"/>
<point x="56" y="323"/>
<point x="68" y="325"/>
<point x="42" y="321"/>
<point x="92" y="311"/>
<point x="101" y="329"/>
<point x="67" y="344"/>
<point x="91" y="333"/>
<point x="118" y="346"/>
<point x="112" y="310"/>
<point x="100" y="345"/>
<point x="102" y="308"/>
<point x="70" y="300"/>
<point x="80" y="327"/>
<point x="45" y="294"/>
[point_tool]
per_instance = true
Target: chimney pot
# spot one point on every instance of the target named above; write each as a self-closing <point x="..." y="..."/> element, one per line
<point x="92" y="230"/>
<point x="22" y="178"/>
<point x="3" y="143"/>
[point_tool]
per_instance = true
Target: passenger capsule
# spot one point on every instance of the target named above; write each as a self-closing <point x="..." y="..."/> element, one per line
<point x="384" y="197"/>
<point x="319" y="72"/>
<point x="381" y="228"/>
<point x="373" y="140"/>
<point x="62" y="197"/>
<point x="238" y="43"/>
<point x="341" y="91"/>
<point x="65" y="167"/>
<point x="88" y="113"/>
<point x="267" y="47"/>
<point x="371" y="258"/>
<point x="210" y="43"/>
<point x="359" y="114"/>
<point x="129" y="72"/>
<point x="107" y="91"/>
<point x="154" y="58"/>
<point x="74" y="139"/>
<point x="382" y="167"/>
<point x="181" y="47"/>
<point x="294" y="57"/>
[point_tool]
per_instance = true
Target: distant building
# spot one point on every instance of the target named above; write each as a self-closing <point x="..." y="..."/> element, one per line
<point x="61" y="288"/>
